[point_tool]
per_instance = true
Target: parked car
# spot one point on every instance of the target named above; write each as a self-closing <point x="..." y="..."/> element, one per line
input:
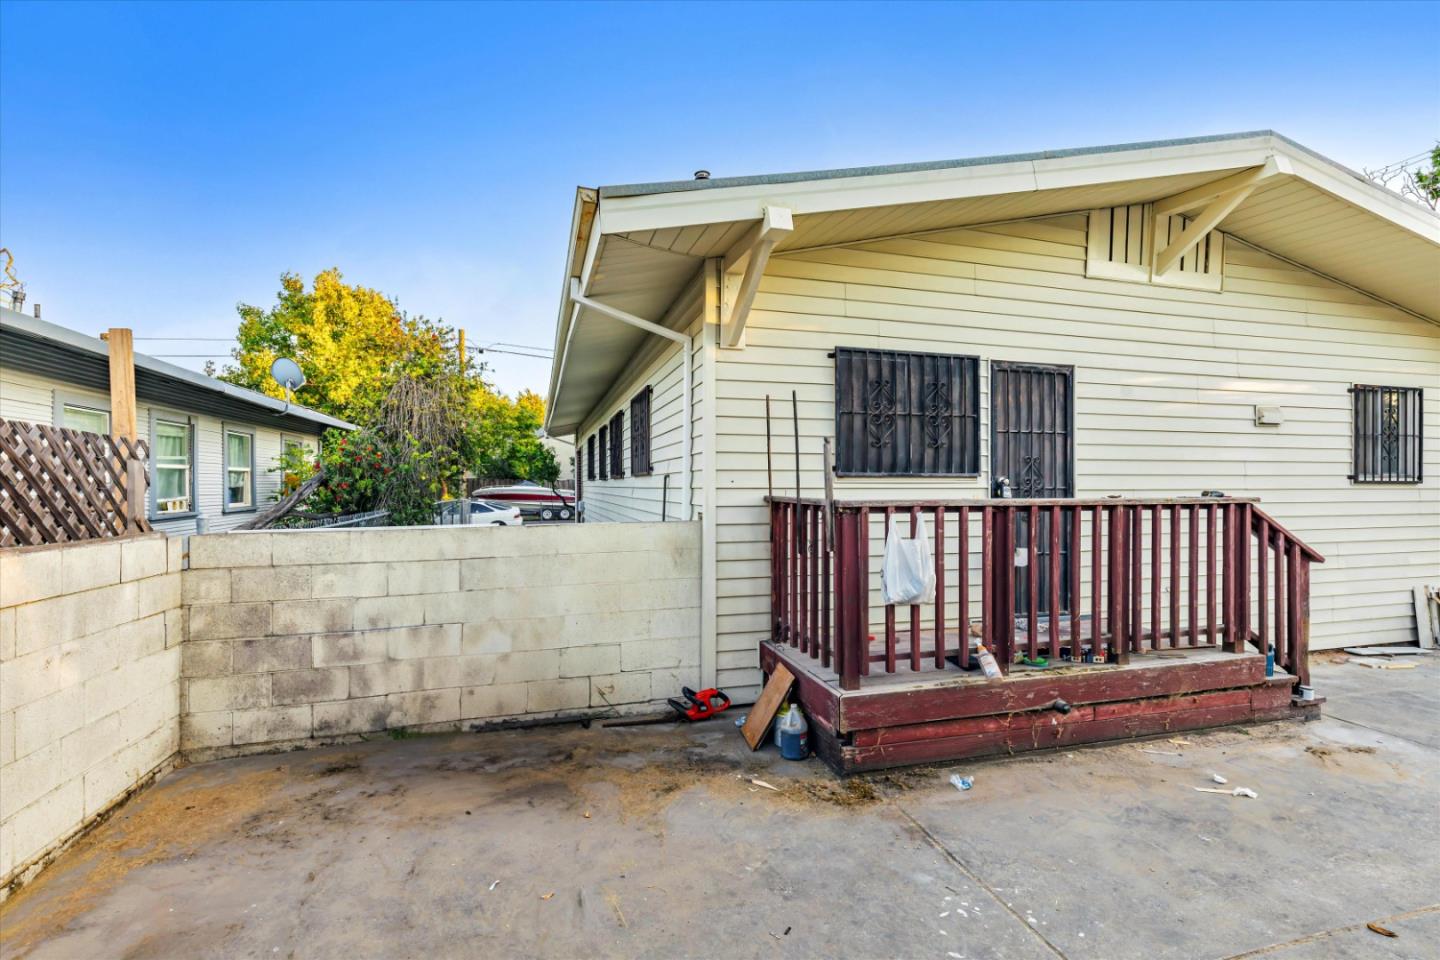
<point x="483" y="513"/>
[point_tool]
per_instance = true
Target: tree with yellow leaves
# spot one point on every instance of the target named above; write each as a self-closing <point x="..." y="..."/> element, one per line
<point x="359" y="352"/>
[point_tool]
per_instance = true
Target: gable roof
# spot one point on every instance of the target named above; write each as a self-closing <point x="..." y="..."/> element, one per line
<point x="637" y="246"/>
<point x="37" y="346"/>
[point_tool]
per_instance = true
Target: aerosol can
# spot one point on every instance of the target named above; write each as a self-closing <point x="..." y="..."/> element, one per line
<point x="793" y="734"/>
<point x="988" y="665"/>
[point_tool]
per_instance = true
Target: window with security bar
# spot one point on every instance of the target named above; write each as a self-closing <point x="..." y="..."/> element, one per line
<point x="590" y="458"/>
<point x="617" y="446"/>
<point x="1387" y="445"/>
<point x="640" y="465"/>
<point x="906" y="414"/>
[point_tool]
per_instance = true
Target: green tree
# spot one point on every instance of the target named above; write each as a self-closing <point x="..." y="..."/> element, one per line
<point x="426" y="419"/>
<point x="1428" y="181"/>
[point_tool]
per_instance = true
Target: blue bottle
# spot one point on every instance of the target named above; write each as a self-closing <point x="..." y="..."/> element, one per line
<point x="1270" y="661"/>
<point x="793" y="734"/>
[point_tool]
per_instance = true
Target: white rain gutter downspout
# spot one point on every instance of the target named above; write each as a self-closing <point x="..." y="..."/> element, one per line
<point x="687" y="363"/>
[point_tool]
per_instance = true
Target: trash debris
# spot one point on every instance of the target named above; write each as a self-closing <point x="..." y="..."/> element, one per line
<point x="762" y="783"/>
<point x="740" y="720"/>
<point x="587" y="814"/>
<point x="548" y="896"/>
<point x="1383" y="664"/>
<point x="495" y="884"/>
<point x="1179" y="741"/>
<point x="1383" y="931"/>
<point x="1237" y="792"/>
<point x="1161" y="753"/>
<point x="1214" y="776"/>
<point x="962" y="783"/>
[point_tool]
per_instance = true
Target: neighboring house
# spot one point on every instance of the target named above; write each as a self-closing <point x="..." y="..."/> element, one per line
<point x="214" y="447"/>
<point x="946" y="324"/>
<point x="564" y="452"/>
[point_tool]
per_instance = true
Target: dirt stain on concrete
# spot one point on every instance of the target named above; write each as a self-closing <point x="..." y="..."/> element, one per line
<point x="161" y="824"/>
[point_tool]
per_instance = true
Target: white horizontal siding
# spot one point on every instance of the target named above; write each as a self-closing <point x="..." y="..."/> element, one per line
<point x="659" y="366"/>
<point x="1166" y="380"/>
<point x="24" y="396"/>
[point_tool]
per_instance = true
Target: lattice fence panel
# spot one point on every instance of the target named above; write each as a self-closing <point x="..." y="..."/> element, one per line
<point x="59" y="485"/>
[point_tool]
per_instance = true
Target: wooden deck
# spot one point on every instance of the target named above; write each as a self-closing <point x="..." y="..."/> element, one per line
<point x="904" y="718"/>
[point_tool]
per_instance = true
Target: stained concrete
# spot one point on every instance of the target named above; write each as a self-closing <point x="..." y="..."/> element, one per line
<point x="654" y="842"/>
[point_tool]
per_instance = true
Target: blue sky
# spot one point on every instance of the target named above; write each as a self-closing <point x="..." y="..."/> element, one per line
<point x="160" y="163"/>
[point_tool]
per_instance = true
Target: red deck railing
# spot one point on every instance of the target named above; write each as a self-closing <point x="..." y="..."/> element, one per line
<point x="1089" y="579"/>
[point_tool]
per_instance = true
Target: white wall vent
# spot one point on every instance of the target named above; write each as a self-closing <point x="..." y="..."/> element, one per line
<point x="1122" y="242"/>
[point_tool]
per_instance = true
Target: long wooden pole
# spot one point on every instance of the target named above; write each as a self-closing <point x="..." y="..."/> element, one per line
<point x="769" y="465"/>
<point x="795" y="418"/>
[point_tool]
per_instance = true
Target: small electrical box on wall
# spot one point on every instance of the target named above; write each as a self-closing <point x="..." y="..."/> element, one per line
<point x="1269" y="416"/>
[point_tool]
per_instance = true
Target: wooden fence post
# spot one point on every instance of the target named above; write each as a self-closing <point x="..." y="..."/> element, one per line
<point x="122" y="383"/>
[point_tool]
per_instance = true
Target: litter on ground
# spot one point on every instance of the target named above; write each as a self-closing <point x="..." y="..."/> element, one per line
<point x="1237" y="792"/>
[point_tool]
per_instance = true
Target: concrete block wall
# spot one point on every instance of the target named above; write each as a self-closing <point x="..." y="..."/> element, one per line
<point x="322" y="634"/>
<point x="90" y="651"/>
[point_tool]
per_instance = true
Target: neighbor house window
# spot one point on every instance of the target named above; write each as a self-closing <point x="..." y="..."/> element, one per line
<point x="89" y="419"/>
<point x="1387" y="442"/>
<point x="239" y="470"/>
<point x="906" y="414"/>
<point x="173" y="460"/>
<point x="640" y="465"/>
<point x="617" y="446"/>
<point x="604" y="446"/>
<point x="590" y="458"/>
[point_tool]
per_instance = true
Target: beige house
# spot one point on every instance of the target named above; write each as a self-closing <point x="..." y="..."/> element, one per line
<point x="215" y="447"/>
<point x="1231" y="313"/>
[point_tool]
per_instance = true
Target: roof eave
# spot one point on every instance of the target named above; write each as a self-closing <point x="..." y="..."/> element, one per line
<point x="44" y="330"/>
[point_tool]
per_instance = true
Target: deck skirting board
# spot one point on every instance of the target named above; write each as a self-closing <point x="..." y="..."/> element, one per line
<point x="958" y="721"/>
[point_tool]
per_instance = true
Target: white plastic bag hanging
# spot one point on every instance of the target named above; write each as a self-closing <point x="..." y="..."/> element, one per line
<point x="907" y="575"/>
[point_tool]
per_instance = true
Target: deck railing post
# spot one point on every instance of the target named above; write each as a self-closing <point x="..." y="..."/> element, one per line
<point x="1114" y="586"/>
<point x="849" y="642"/>
<point x="1302" y="645"/>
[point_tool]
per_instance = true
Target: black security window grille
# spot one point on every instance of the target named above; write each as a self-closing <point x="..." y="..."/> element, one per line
<point x="590" y="458"/>
<point x="617" y="446"/>
<point x="604" y="450"/>
<point x="1387" y="445"/>
<point x="901" y="414"/>
<point x="640" y="465"/>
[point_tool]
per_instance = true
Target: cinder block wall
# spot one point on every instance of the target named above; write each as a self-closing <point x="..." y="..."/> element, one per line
<point x="90" y="638"/>
<point x="319" y="634"/>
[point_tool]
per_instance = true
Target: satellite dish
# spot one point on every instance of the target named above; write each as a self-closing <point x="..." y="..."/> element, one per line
<point x="288" y="374"/>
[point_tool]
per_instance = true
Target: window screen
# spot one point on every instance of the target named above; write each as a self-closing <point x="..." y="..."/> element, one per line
<point x="87" y="418"/>
<point x="239" y="470"/>
<point x="172" y="467"/>
<point x="1386" y="437"/>
<point x="906" y="414"/>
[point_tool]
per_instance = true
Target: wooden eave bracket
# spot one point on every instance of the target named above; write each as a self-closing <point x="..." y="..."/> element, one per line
<point x="747" y="260"/>
<point x="1219" y="198"/>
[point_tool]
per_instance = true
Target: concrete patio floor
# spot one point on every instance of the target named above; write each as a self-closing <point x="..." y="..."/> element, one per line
<point x="653" y="842"/>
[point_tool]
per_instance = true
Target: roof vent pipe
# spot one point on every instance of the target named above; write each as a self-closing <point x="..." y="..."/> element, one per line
<point x="702" y="174"/>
